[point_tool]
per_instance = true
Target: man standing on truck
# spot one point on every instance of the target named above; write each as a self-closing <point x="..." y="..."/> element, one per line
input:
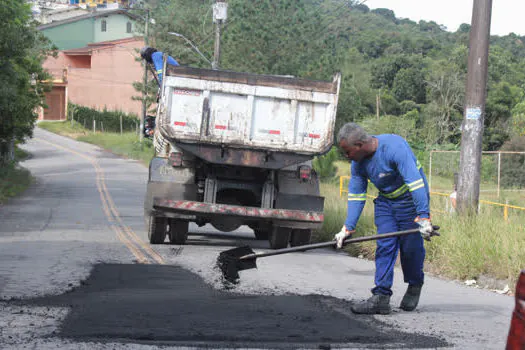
<point x="403" y="204"/>
<point x="154" y="57"/>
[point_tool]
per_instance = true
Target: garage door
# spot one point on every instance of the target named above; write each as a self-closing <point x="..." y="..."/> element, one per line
<point x="56" y="104"/>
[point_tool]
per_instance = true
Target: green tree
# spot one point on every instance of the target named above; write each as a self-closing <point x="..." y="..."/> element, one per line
<point x="501" y="100"/>
<point x="513" y="165"/>
<point x="324" y="165"/>
<point x="384" y="72"/>
<point x="389" y="105"/>
<point x="442" y="115"/>
<point x="518" y="120"/>
<point x="409" y="84"/>
<point x="22" y="52"/>
<point x="386" y="13"/>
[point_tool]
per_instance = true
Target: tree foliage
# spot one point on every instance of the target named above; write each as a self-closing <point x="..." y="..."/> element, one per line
<point x="418" y="69"/>
<point x="513" y="165"/>
<point x="22" y="51"/>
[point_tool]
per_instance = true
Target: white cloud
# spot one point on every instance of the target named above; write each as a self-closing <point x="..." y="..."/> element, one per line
<point x="506" y="14"/>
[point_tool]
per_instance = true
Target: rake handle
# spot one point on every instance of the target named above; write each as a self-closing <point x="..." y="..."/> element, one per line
<point x="333" y="243"/>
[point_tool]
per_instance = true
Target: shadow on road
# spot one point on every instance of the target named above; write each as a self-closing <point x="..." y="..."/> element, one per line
<point x="170" y="305"/>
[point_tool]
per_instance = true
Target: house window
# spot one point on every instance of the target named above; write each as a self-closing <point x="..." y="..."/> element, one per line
<point x="128" y="27"/>
<point x="103" y="25"/>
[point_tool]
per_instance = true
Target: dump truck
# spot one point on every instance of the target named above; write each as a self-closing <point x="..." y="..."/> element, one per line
<point x="234" y="149"/>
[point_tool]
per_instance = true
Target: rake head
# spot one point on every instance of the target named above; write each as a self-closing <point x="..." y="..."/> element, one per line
<point x="230" y="264"/>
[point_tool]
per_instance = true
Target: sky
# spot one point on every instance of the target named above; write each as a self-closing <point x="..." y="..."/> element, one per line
<point x="507" y="15"/>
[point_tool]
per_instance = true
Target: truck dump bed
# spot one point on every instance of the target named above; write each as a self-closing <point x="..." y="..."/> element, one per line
<point x="248" y="111"/>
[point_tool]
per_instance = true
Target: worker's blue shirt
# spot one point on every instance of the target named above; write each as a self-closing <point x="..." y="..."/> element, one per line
<point x="159" y="63"/>
<point x="395" y="171"/>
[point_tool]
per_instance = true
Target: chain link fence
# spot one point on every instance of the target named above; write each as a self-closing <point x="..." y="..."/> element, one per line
<point x="502" y="175"/>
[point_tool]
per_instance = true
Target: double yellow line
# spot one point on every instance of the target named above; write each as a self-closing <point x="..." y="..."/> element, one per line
<point x="140" y="249"/>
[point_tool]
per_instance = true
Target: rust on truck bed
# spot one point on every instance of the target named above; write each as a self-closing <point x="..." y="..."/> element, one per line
<point x="191" y="207"/>
<point x="253" y="79"/>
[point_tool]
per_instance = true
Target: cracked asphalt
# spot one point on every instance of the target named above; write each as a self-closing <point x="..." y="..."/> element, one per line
<point x="76" y="272"/>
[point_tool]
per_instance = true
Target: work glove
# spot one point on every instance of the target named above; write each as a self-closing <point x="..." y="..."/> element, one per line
<point x="342" y="235"/>
<point x="425" y="227"/>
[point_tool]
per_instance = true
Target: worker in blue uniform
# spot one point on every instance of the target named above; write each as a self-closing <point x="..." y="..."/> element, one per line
<point x="402" y="204"/>
<point x="154" y="57"/>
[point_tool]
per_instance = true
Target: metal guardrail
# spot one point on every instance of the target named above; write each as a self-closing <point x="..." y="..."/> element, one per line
<point x="505" y="207"/>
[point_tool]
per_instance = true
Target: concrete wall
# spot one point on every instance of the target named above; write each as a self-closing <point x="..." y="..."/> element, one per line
<point x="78" y="34"/>
<point x="115" y="28"/>
<point x="108" y="83"/>
<point x="71" y="35"/>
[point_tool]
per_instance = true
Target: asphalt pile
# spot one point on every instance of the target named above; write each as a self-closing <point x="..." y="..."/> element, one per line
<point x="170" y="305"/>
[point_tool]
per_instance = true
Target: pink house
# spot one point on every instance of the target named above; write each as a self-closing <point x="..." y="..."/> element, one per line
<point x="97" y="76"/>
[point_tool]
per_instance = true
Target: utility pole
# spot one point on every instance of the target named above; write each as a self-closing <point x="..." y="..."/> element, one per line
<point x="144" y="82"/>
<point x="472" y="128"/>
<point x="220" y="13"/>
<point x="378" y="103"/>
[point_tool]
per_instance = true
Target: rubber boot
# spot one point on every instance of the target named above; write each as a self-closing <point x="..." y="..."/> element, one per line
<point x="376" y="304"/>
<point x="411" y="298"/>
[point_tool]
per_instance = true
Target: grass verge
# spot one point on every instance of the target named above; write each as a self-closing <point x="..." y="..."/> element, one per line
<point x="126" y="144"/>
<point x="469" y="247"/>
<point x="13" y="179"/>
<point x="64" y="128"/>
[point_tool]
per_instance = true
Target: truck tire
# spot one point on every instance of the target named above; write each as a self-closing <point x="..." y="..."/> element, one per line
<point x="279" y="237"/>
<point x="157" y="226"/>
<point x="178" y="233"/>
<point x="300" y="237"/>
<point x="261" y="234"/>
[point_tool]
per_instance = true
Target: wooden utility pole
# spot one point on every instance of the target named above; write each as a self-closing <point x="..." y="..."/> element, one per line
<point x="220" y="12"/>
<point x="144" y="82"/>
<point x="472" y="128"/>
<point x="378" y="103"/>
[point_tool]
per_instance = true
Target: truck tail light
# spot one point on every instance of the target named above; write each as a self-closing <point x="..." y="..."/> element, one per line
<point x="175" y="159"/>
<point x="305" y="173"/>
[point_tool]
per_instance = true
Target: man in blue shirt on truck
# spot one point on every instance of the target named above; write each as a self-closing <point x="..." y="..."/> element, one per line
<point x="402" y="204"/>
<point x="154" y="57"/>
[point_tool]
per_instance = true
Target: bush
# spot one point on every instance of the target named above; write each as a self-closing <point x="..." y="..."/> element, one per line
<point x="408" y="106"/>
<point x="513" y="165"/>
<point x="110" y="120"/>
<point x="324" y="165"/>
<point x="404" y="127"/>
<point x="389" y="104"/>
<point x="14" y="179"/>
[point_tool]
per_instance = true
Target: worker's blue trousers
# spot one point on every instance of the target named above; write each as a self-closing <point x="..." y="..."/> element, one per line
<point x="397" y="215"/>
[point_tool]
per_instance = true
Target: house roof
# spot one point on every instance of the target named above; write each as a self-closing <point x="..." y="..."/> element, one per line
<point x="87" y="50"/>
<point x="96" y="14"/>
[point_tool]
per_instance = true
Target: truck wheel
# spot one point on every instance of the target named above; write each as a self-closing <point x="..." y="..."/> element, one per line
<point x="279" y="237"/>
<point x="300" y="237"/>
<point x="261" y="234"/>
<point x="178" y="231"/>
<point x="157" y="229"/>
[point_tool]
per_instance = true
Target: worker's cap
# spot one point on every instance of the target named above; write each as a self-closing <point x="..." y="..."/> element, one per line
<point x="146" y="53"/>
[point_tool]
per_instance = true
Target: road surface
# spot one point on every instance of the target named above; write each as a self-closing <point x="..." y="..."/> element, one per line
<point x="76" y="272"/>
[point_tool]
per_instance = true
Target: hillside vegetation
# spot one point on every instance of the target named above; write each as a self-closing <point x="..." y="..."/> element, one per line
<point x="417" y="69"/>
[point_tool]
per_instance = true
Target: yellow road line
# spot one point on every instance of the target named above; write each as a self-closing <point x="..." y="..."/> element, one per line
<point x="140" y="257"/>
<point x="130" y="232"/>
<point x="112" y="214"/>
<point x="153" y="254"/>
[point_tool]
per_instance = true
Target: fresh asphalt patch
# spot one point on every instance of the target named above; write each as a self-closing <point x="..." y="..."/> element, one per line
<point x="168" y="305"/>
